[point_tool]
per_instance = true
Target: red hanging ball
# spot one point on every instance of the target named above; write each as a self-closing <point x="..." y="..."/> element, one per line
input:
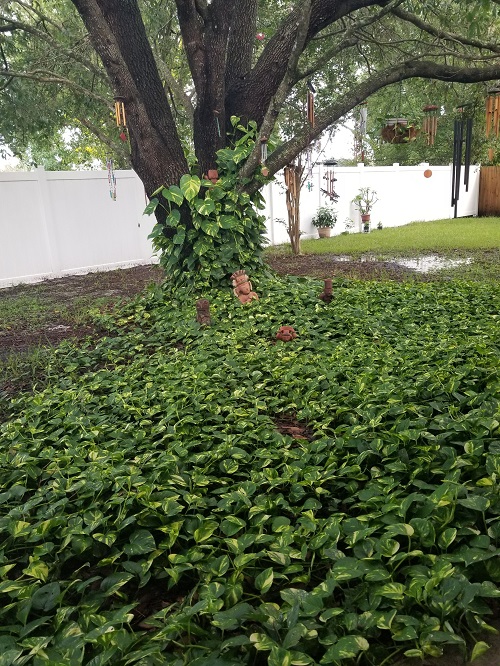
<point x="123" y="136"/>
<point x="260" y="36"/>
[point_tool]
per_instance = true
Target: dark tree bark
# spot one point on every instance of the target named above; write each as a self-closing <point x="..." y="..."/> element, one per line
<point x="218" y="39"/>
<point x="119" y="37"/>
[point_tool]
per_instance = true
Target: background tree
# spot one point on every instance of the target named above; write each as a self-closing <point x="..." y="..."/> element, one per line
<point x="350" y="49"/>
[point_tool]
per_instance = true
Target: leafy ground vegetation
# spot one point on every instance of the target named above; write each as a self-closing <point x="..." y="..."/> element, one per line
<point x="212" y="496"/>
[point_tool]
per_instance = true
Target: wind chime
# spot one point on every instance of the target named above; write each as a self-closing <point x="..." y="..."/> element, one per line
<point x="310" y="103"/>
<point x="429" y="125"/>
<point x="462" y="134"/>
<point x="263" y="156"/>
<point x="121" y="123"/>
<point x="121" y="118"/>
<point x="309" y="168"/>
<point x="492" y="117"/>
<point x="329" y="176"/>
<point x="111" y="178"/>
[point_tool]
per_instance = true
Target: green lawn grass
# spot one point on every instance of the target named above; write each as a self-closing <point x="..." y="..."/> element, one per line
<point x="443" y="236"/>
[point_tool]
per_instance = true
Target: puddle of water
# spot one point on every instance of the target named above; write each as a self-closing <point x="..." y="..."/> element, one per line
<point x="420" y="264"/>
<point x="432" y="263"/>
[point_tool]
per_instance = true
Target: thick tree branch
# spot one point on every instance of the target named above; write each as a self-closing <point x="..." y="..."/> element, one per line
<point x="405" y="70"/>
<point x="119" y="37"/>
<point x="191" y="24"/>
<point x="349" y="39"/>
<point x="249" y="98"/>
<point x="241" y="41"/>
<point x="283" y="90"/>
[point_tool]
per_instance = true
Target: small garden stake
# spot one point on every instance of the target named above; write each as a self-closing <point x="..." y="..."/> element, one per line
<point x="203" y="312"/>
<point x="327" y="294"/>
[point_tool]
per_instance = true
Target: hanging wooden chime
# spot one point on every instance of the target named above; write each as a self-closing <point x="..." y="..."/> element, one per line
<point x="429" y="126"/>
<point x="493" y="111"/>
<point x="121" y="118"/>
<point x="310" y="103"/>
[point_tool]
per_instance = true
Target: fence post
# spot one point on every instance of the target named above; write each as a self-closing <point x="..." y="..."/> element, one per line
<point x="47" y="220"/>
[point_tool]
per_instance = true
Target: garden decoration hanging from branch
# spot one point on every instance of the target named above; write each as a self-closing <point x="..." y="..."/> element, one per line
<point x="121" y="118"/>
<point x="492" y="117"/>
<point x="462" y="134"/>
<point x="398" y="130"/>
<point x="329" y="176"/>
<point x="310" y="103"/>
<point x="111" y="178"/>
<point x="429" y="126"/>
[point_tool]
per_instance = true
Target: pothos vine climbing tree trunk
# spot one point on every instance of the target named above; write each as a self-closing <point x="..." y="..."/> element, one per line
<point x="239" y="94"/>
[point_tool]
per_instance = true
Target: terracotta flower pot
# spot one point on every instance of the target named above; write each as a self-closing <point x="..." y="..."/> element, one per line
<point x="324" y="232"/>
<point x="365" y="218"/>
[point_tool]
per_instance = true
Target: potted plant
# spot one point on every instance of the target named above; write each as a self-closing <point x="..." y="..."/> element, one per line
<point x="324" y="220"/>
<point x="364" y="201"/>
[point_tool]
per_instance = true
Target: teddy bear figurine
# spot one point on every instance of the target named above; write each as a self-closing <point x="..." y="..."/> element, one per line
<point x="243" y="287"/>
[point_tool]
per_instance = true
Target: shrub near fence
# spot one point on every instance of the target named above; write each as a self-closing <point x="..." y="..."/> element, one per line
<point x="58" y="223"/>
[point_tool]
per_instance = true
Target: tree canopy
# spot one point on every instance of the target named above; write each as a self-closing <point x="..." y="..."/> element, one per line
<point x="186" y="69"/>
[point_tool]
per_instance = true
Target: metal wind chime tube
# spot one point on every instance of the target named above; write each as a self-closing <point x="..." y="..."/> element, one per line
<point x="462" y="133"/>
<point x="468" y="148"/>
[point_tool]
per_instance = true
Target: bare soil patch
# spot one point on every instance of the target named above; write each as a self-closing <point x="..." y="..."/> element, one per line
<point x="324" y="266"/>
<point x="60" y="306"/>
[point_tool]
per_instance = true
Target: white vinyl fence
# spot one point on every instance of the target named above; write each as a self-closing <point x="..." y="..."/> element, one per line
<point x="58" y="223"/>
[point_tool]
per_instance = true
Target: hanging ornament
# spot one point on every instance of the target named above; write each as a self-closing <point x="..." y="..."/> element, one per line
<point x="330" y="181"/>
<point x="309" y="163"/>
<point x="123" y="136"/>
<point x="462" y="134"/>
<point x="310" y="103"/>
<point x="263" y="149"/>
<point x="111" y="178"/>
<point x="121" y="118"/>
<point x="493" y="112"/>
<point x="429" y="126"/>
<point x="260" y="36"/>
<point x="310" y="186"/>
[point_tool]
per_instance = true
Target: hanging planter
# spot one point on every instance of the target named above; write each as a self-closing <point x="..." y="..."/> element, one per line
<point x="398" y="130"/>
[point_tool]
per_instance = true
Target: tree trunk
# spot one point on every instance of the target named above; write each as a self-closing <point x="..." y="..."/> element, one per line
<point x="118" y="35"/>
<point x="293" y="178"/>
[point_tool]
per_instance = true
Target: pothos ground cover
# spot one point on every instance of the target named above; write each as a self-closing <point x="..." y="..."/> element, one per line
<point x="152" y="512"/>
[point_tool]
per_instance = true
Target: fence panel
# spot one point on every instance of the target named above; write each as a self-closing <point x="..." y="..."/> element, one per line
<point x="57" y="223"/>
<point x="489" y="191"/>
